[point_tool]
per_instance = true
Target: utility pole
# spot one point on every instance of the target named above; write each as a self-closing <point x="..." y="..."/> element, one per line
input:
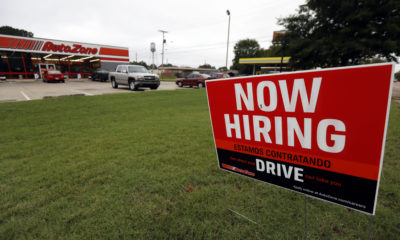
<point x="162" y="53"/>
<point x="227" y="43"/>
<point x="152" y="49"/>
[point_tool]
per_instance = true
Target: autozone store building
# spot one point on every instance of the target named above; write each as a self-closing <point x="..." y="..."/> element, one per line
<point x="23" y="57"/>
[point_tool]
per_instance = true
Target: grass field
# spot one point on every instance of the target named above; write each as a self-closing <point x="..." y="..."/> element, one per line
<point x="143" y="166"/>
<point x="168" y="78"/>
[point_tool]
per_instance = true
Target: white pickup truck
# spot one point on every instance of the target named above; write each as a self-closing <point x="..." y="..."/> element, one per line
<point x="134" y="76"/>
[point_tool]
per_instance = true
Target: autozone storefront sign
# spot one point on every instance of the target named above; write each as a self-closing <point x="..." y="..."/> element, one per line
<point x="320" y="133"/>
<point x="68" y="48"/>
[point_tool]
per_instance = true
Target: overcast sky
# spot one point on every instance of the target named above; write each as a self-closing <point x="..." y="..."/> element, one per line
<point x="197" y="30"/>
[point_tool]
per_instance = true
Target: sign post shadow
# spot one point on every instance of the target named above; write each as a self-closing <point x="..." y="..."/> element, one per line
<point x="249" y="205"/>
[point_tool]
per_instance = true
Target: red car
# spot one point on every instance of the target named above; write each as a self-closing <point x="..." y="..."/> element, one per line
<point x="219" y="75"/>
<point x="53" y="75"/>
<point x="193" y="79"/>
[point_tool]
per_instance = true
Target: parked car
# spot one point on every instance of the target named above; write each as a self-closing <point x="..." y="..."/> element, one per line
<point x="100" y="74"/>
<point x="134" y="76"/>
<point x="53" y="75"/>
<point x="219" y="75"/>
<point x="193" y="79"/>
<point x="2" y="77"/>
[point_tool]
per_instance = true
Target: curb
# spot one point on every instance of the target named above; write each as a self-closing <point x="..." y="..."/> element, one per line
<point x="66" y="95"/>
<point x="40" y="80"/>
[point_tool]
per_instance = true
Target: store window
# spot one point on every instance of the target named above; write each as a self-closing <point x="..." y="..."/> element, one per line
<point x="28" y="64"/>
<point x="3" y="63"/>
<point x="16" y="64"/>
<point x="64" y="67"/>
<point x="15" y="60"/>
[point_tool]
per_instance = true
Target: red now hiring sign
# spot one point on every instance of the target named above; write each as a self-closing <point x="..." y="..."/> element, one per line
<point x="320" y="133"/>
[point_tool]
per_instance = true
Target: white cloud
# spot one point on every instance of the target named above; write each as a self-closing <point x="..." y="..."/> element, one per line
<point x="197" y="30"/>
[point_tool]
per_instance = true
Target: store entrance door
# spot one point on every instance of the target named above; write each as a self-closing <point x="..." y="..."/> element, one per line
<point x="46" y="67"/>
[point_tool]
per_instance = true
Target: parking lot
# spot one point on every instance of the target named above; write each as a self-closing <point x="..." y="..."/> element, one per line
<point x="396" y="92"/>
<point x="31" y="90"/>
<point x="23" y="90"/>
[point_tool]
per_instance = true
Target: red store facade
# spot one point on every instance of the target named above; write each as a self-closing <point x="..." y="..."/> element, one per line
<point x="23" y="57"/>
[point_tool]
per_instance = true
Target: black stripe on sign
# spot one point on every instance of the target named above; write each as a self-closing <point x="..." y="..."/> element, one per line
<point x="349" y="191"/>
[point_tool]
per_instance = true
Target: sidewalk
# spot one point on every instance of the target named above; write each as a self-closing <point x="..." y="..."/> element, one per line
<point x="39" y="80"/>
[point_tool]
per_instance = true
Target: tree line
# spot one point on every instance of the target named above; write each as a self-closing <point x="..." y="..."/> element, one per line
<point x="322" y="33"/>
<point x="325" y="33"/>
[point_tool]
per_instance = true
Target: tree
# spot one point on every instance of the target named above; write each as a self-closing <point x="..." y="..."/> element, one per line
<point x="397" y="76"/>
<point x="373" y="60"/>
<point x="15" y="31"/>
<point x="247" y="48"/>
<point x="167" y="65"/>
<point x="222" y="69"/>
<point x="141" y="63"/>
<point x="327" y="33"/>
<point x="153" y="66"/>
<point x="272" y="51"/>
<point x="206" y="65"/>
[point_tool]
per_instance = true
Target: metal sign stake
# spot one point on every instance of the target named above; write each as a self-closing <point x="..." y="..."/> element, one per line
<point x="370" y="227"/>
<point x="255" y="201"/>
<point x="305" y="218"/>
<point x="244" y="204"/>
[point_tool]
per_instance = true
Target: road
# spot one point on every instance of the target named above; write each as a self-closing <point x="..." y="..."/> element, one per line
<point x="32" y="90"/>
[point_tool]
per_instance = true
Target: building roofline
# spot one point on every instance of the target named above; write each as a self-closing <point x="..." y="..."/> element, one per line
<point x="14" y="36"/>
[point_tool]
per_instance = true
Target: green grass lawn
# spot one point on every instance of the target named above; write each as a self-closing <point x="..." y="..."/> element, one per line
<point x="167" y="78"/>
<point x="144" y="166"/>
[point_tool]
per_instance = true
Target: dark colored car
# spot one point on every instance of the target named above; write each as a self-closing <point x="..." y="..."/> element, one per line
<point x="100" y="74"/>
<point x="53" y="75"/>
<point x="193" y="79"/>
<point x="219" y="75"/>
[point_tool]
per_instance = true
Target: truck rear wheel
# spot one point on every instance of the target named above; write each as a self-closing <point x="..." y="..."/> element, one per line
<point x="114" y="84"/>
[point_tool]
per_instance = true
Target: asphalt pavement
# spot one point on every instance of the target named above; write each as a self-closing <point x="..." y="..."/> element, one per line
<point x="25" y="90"/>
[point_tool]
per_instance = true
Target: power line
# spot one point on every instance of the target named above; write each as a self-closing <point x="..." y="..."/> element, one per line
<point x="209" y="46"/>
<point x="216" y="45"/>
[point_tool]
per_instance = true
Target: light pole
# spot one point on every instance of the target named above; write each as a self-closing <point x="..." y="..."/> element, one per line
<point x="227" y="43"/>
<point x="153" y="50"/>
<point x="162" y="53"/>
